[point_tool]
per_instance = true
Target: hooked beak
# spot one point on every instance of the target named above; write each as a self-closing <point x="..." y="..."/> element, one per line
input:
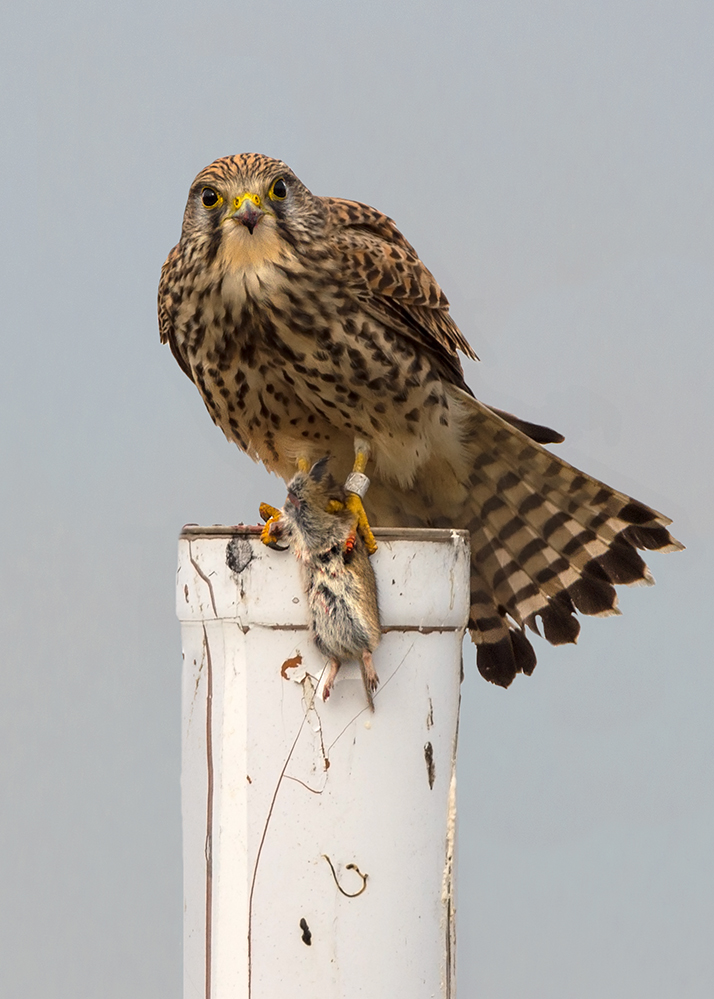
<point x="248" y="211"/>
<point x="292" y="498"/>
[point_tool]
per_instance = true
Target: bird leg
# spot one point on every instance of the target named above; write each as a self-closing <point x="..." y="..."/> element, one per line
<point x="356" y="486"/>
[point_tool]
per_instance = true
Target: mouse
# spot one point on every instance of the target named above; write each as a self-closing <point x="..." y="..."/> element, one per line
<point x="340" y="582"/>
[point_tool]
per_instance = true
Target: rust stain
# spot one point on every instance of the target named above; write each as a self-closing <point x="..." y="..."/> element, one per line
<point x="290" y="664"/>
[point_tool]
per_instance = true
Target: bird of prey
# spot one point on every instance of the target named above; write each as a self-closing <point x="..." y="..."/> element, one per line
<point x="310" y="326"/>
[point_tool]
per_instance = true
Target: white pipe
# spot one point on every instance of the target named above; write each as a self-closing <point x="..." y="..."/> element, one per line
<point x="318" y="838"/>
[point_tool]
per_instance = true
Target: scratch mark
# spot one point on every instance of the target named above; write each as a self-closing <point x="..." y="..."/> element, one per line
<point x="204" y="577"/>
<point x="349" y="867"/>
<point x="309" y="703"/>
<point x="382" y="687"/>
<point x="312" y="790"/>
<point x="308" y="679"/>
<point x="430" y="715"/>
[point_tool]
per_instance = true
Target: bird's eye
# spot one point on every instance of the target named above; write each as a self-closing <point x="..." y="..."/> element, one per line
<point x="209" y="198"/>
<point x="278" y="190"/>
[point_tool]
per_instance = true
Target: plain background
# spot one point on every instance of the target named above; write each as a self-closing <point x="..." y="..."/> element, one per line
<point x="553" y="164"/>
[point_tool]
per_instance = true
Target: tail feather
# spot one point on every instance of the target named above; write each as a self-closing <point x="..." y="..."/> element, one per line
<point x="534" y="546"/>
<point x="546" y="540"/>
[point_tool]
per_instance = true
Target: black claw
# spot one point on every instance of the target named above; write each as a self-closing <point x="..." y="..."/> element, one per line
<point x="275" y="546"/>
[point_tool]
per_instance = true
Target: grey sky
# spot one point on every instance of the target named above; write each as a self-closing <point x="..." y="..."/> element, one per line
<point x="552" y="162"/>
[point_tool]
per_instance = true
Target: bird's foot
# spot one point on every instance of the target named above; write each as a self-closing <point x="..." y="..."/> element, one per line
<point x="356" y="486"/>
<point x="272" y="529"/>
<point x="355" y="506"/>
<point x="337" y="506"/>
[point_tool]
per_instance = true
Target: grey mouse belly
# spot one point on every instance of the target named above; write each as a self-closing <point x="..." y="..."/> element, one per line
<point x="343" y="613"/>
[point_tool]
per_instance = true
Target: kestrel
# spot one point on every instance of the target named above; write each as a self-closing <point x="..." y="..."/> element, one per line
<point x="310" y="326"/>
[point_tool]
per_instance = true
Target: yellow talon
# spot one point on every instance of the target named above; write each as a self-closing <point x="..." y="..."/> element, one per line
<point x="271" y="516"/>
<point x="354" y="504"/>
<point x="267" y="511"/>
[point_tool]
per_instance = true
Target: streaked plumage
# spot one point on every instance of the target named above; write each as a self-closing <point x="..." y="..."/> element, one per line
<point x="307" y="322"/>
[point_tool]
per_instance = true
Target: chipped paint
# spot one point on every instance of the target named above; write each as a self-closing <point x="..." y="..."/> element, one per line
<point x="430" y="768"/>
<point x="292" y="779"/>
<point x="290" y="663"/>
<point x="447" y="893"/>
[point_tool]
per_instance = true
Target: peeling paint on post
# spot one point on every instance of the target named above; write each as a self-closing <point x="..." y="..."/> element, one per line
<point x="318" y="838"/>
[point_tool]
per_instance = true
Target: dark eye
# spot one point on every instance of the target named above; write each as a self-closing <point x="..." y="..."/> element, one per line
<point x="279" y="190"/>
<point x="209" y="198"/>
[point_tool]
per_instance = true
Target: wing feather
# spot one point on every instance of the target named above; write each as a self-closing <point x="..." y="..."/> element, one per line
<point x="167" y="333"/>
<point x="384" y="272"/>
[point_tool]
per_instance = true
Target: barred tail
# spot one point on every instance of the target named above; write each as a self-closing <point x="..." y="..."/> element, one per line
<point x="546" y="540"/>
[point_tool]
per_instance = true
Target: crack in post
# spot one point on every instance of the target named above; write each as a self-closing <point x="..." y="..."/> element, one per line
<point x="377" y="693"/>
<point x="208" y="848"/>
<point x="309" y="705"/>
<point x="204" y="577"/>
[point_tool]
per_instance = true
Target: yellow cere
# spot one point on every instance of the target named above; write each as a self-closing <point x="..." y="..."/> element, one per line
<point x="247" y="196"/>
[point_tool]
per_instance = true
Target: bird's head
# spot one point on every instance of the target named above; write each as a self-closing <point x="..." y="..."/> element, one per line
<point x="249" y="210"/>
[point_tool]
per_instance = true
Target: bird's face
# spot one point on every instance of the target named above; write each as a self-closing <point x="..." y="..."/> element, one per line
<point x="250" y="210"/>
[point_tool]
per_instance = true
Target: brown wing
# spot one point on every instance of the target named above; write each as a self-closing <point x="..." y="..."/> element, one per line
<point x="384" y="271"/>
<point x="166" y="309"/>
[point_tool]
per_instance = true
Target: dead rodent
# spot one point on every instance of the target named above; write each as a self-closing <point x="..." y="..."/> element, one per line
<point x="340" y="583"/>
